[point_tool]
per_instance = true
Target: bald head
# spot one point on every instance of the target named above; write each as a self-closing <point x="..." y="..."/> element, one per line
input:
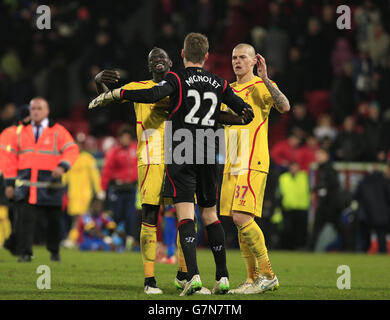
<point x="245" y="47"/>
<point x="243" y="61"/>
<point x="39" y="109"/>
<point x="157" y="51"/>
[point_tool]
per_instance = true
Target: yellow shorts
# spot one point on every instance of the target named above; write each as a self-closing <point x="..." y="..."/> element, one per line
<point x="243" y="192"/>
<point x="150" y="183"/>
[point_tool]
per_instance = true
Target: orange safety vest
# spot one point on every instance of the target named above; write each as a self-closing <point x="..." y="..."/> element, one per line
<point x="5" y="138"/>
<point x="30" y="164"/>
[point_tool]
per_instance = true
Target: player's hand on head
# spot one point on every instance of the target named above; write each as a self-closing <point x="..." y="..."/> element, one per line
<point x="261" y="66"/>
<point x="247" y="115"/>
<point x="107" y="76"/>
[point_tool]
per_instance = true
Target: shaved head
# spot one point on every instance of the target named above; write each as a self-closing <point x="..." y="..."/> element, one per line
<point x="157" y="50"/>
<point x="243" y="61"/>
<point x="246" y="47"/>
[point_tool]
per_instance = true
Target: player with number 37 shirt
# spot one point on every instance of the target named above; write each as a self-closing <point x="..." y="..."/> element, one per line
<point x="247" y="165"/>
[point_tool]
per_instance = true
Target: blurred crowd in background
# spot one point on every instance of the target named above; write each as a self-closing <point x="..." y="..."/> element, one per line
<point x="337" y="82"/>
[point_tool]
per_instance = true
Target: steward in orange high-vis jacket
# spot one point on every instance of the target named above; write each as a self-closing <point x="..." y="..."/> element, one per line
<point x="40" y="153"/>
<point x="30" y="164"/>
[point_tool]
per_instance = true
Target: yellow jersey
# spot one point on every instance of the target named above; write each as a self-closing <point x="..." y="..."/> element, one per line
<point x="83" y="180"/>
<point x="247" y="145"/>
<point x="151" y="119"/>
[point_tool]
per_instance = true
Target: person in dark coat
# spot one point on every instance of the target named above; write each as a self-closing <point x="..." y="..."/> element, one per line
<point x="301" y="123"/>
<point x="349" y="145"/>
<point x="327" y="189"/>
<point x="373" y="196"/>
<point x="372" y="133"/>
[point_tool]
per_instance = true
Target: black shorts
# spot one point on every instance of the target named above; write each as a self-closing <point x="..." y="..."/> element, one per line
<point x="182" y="182"/>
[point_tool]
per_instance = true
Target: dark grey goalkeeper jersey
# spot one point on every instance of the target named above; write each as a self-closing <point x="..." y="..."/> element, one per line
<point x="195" y="100"/>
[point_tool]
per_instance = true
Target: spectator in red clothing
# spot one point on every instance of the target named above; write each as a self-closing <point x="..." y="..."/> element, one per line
<point x="285" y="151"/>
<point x="306" y="154"/>
<point x="119" y="180"/>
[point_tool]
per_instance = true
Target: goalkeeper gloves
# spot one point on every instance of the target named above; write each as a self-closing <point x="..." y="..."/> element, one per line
<point x="105" y="98"/>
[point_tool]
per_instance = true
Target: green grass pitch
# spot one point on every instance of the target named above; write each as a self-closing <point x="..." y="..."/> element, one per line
<point x="107" y="275"/>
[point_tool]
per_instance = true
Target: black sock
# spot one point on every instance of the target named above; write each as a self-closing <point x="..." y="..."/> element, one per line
<point x="187" y="236"/>
<point x="216" y="236"/>
<point x="151" y="282"/>
<point x="181" y="275"/>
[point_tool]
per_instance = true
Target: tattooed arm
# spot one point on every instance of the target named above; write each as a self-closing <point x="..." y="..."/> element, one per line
<point x="281" y="102"/>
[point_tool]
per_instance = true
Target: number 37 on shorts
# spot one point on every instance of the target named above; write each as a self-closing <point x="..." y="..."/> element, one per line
<point x="243" y="192"/>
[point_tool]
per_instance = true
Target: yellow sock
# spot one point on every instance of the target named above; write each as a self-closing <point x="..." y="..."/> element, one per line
<point x="5" y="224"/>
<point x="73" y="235"/>
<point x="181" y="262"/>
<point x="252" y="266"/>
<point x="148" y="241"/>
<point x="254" y="238"/>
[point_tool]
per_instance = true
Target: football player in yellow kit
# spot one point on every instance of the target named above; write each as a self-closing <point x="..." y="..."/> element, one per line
<point x="150" y="155"/>
<point x="247" y="165"/>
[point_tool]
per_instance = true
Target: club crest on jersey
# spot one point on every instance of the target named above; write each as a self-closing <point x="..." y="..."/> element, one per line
<point x="242" y="202"/>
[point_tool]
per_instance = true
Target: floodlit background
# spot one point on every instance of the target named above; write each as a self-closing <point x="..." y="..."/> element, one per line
<point x="337" y="82"/>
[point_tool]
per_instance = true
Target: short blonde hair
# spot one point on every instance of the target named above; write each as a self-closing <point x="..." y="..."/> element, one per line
<point x="196" y="46"/>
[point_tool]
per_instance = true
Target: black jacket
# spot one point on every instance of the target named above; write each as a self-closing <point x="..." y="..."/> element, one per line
<point x="373" y="194"/>
<point x="332" y="199"/>
<point x="327" y="182"/>
<point x="348" y="146"/>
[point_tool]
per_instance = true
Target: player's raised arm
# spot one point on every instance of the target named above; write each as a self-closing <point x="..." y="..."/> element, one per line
<point x="104" y="77"/>
<point x="281" y="102"/>
<point x="163" y="89"/>
<point x="148" y="95"/>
